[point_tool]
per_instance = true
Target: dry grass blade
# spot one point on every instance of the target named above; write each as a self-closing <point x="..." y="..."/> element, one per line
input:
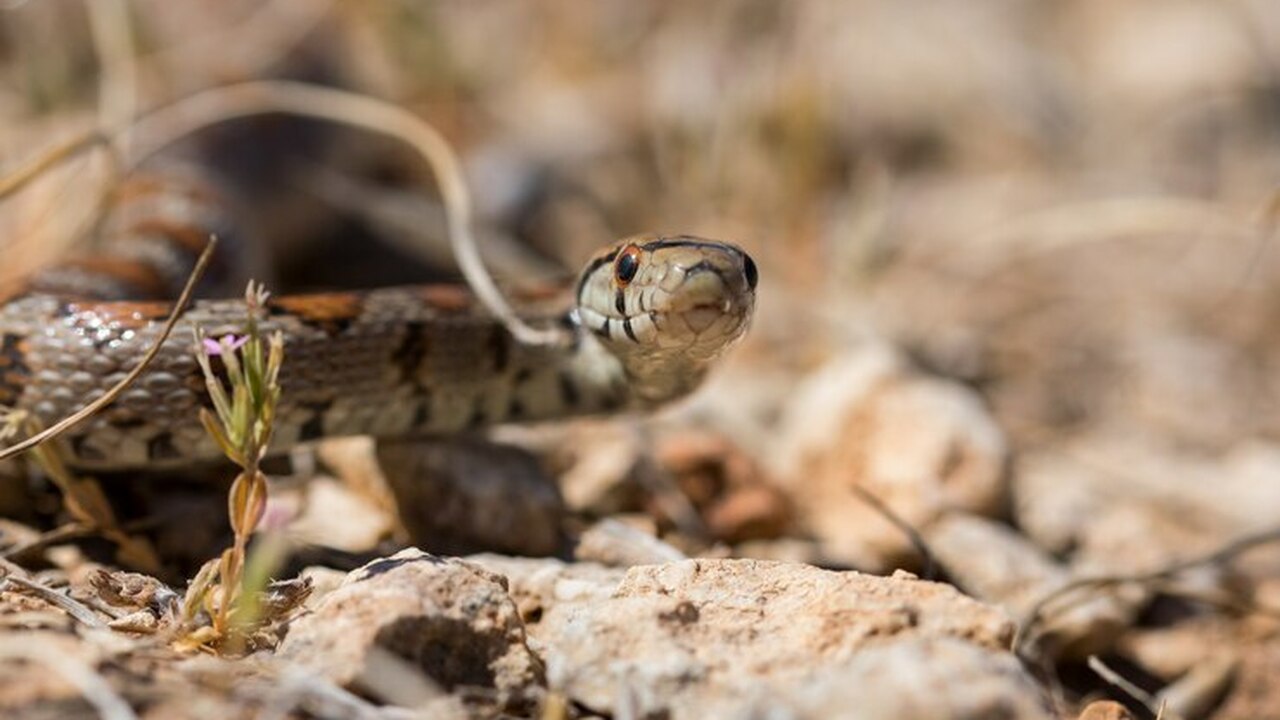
<point x="168" y="124"/>
<point x="54" y="157"/>
<point x="67" y="604"/>
<point x="23" y="255"/>
<point x="1154" y="706"/>
<point x="107" y="398"/>
<point x="117" y="76"/>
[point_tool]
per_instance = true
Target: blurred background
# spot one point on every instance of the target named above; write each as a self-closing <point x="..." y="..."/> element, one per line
<point x="1068" y="205"/>
<point x="1018" y="259"/>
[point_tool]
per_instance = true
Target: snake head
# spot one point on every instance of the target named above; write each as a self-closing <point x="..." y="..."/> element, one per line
<point x="667" y="306"/>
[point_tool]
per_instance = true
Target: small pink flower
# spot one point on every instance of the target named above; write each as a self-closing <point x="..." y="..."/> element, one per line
<point x="278" y="514"/>
<point x="234" y="342"/>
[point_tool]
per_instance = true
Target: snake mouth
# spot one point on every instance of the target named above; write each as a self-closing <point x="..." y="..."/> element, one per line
<point x="702" y="299"/>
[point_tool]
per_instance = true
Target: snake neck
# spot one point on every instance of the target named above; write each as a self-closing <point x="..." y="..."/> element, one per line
<point x="659" y="380"/>
<point x="609" y="381"/>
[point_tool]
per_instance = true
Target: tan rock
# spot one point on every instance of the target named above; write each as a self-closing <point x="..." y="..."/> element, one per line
<point x="750" y="513"/>
<point x="702" y="638"/>
<point x="683" y="474"/>
<point x="1196" y="694"/>
<point x="1051" y="502"/>
<point x="538" y="584"/>
<point x="450" y="619"/>
<point x="920" y="445"/>
<point x="964" y="682"/>
<point x="354" y="461"/>
<point x="1171" y="651"/>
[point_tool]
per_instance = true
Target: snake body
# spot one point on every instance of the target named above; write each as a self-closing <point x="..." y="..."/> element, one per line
<point x="651" y="314"/>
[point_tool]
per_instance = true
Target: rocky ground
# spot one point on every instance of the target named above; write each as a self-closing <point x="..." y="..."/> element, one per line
<point x="1004" y="441"/>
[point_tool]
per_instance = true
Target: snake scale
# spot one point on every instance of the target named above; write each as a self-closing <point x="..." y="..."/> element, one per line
<point x="651" y="315"/>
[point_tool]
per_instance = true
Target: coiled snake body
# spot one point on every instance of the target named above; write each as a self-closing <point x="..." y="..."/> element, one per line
<point x="652" y="314"/>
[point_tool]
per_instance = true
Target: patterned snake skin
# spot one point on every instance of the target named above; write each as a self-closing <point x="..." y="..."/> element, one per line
<point x="651" y="315"/>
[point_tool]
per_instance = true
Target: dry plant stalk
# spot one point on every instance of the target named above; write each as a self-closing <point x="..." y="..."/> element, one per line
<point x="241" y="424"/>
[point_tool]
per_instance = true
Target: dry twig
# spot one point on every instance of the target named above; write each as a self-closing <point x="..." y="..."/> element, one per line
<point x="913" y="535"/>
<point x="166" y="125"/>
<point x="1153" y="705"/>
<point x="1223" y="554"/>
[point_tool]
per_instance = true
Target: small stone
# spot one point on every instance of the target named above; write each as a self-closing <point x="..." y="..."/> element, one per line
<point x="920" y="445"/>
<point x="617" y="544"/>
<point x="465" y="496"/>
<point x="450" y="619"/>
<point x="725" y="485"/>
<point x="354" y="460"/>
<point x="334" y="516"/>
<point x="599" y="464"/>
<point x="1169" y="652"/>
<point x="749" y="513"/>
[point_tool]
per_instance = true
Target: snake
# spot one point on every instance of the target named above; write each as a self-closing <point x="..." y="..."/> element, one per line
<point x="646" y="320"/>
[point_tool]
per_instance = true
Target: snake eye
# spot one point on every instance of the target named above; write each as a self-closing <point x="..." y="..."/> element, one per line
<point x="749" y="269"/>
<point x="627" y="265"/>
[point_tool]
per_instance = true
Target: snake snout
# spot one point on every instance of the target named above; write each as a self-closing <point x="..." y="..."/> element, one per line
<point x="704" y="297"/>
